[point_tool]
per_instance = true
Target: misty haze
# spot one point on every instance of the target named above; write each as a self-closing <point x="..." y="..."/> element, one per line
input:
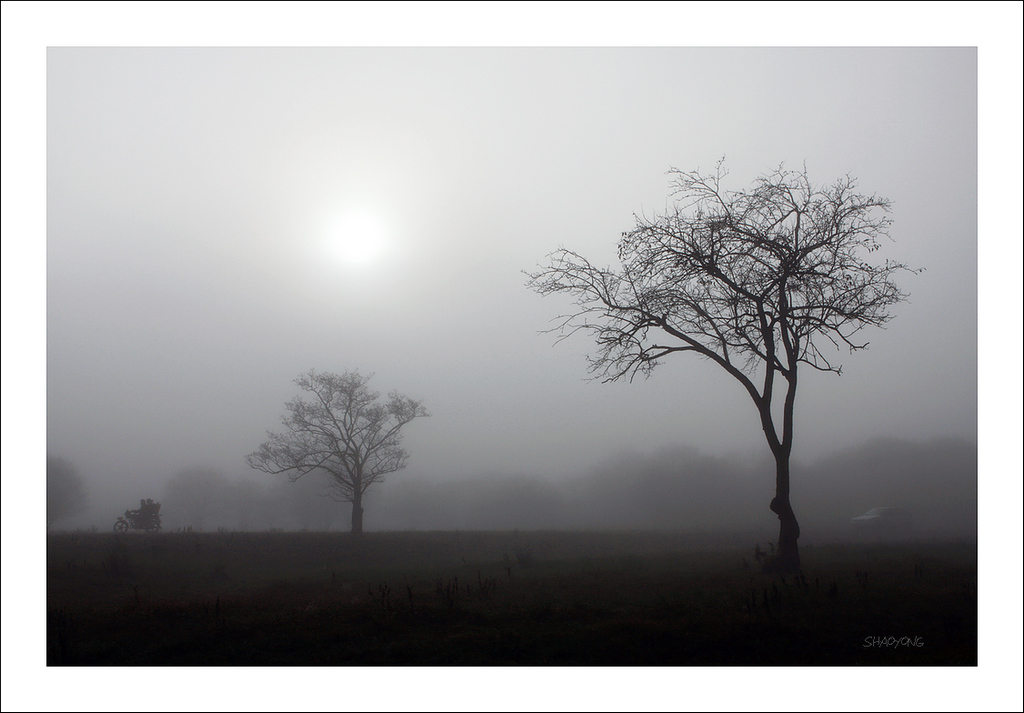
<point x="194" y="232"/>
<point x="457" y="356"/>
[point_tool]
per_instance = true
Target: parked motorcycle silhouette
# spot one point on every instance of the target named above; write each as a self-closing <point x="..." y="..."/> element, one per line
<point x="147" y="518"/>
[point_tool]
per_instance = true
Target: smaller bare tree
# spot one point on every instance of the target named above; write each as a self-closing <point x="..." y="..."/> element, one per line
<point x="343" y="432"/>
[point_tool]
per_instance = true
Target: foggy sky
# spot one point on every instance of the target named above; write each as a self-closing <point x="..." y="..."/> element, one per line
<point x="188" y="280"/>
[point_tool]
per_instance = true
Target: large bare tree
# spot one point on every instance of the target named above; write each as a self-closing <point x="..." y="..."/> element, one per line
<point x="759" y="282"/>
<point x="343" y="432"/>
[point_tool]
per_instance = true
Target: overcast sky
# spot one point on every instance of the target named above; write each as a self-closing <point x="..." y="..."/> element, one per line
<point x="197" y="198"/>
<point x="189" y="195"/>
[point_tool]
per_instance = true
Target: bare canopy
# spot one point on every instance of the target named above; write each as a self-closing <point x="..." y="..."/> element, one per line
<point x="342" y="431"/>
<point x="756" y="281"/>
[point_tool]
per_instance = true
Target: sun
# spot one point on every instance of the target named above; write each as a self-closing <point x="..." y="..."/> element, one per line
<point x="357" y="237"/>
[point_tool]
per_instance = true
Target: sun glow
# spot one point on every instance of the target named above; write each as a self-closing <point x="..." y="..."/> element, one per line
<point x="357" y="238"/>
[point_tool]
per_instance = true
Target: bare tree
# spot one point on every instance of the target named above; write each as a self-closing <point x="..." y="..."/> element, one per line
<point x="341" y="431"/>
<point x="66" y="493"/>
<point x="758" y="282"/>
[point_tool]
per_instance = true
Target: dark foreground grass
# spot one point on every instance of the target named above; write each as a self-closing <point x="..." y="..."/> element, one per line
<point x="482" y="599"/>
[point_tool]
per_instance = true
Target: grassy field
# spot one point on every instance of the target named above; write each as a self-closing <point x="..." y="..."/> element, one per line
<point x="501" y="598"/>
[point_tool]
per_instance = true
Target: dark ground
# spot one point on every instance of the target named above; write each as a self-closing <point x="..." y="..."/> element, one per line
<point x="502" y="599"/>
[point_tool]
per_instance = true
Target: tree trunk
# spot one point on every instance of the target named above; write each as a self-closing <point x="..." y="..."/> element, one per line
<point x="787" y="556"/>
<point x="357" y="514"/>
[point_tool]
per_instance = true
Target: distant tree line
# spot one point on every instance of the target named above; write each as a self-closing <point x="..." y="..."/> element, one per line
<point x="66" y="491"/>
<point x="207" y="500"/>
<point x="685" y="489"/>
<point x="674" y="488"/>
